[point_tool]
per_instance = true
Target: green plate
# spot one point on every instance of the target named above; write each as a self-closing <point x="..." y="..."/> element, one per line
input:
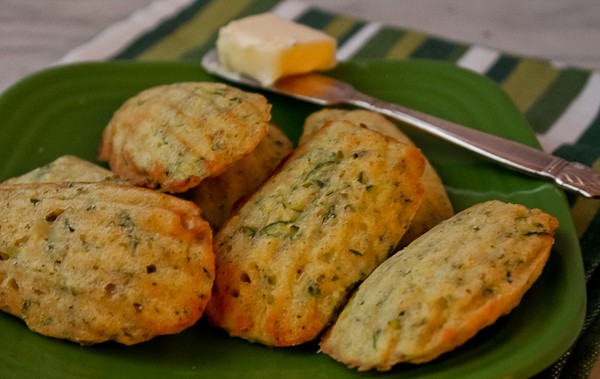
<point x="63" y="111"/>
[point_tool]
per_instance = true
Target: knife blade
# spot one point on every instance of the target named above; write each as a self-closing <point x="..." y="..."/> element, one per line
<point x="326" y="91"/>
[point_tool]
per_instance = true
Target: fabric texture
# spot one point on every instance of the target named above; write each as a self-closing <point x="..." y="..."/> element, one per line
<point x="561" y="103"/>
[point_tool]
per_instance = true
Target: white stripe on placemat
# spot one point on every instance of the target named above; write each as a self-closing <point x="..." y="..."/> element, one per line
<point x="358" y="40"/>
<point x="479" y="59"/>
<point x="582" y="111"/>
<point x="290" y="9"/>
<point x="120" y="34"/>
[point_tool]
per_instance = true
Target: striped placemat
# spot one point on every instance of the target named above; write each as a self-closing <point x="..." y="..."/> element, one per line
<point x="561" y="103"/>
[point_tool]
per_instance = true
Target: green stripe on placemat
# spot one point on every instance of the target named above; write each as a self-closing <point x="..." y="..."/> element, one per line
<point x="382" y="43"/>
<point x="592" y="135"/>
<point x="315" y="18"/>
<point x="435" y="48"/>
<point x="554" y="101"/>
<point x="502" y="68"/>
<point x="543" y="91"/>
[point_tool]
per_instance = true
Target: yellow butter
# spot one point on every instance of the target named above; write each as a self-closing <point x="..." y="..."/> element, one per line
<point x="267" y="47"/>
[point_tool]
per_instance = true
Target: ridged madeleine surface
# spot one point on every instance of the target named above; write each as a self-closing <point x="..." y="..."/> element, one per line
<point x="173" y="136"/>
<point x="102" y="261"/>
<point x="435" y="206"/>
<point x="444" y="287"/>
<point x="287" y="260"/>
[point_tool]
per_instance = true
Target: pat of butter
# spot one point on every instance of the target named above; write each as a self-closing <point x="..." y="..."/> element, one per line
<point x="267" y="47"/>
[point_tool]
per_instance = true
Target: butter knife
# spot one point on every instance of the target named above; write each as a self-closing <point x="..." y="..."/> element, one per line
<point x="324" y="90"/>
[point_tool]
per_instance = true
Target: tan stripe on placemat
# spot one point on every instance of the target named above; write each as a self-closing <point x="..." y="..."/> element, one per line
<point x="528" y="81"/>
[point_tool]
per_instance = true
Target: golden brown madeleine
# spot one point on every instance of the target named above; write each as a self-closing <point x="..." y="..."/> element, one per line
<point x="66" y="168"/>
<point x="218" y="196"/>
<point x="171" y="137"/>
<point x="444" y="287"/>
<point x="435" y="206"/>
<point x="289" y="257"/>
<point x="102" y="261"/>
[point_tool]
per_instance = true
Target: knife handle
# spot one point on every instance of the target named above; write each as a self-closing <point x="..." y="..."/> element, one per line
<point x="572" y="176"/>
